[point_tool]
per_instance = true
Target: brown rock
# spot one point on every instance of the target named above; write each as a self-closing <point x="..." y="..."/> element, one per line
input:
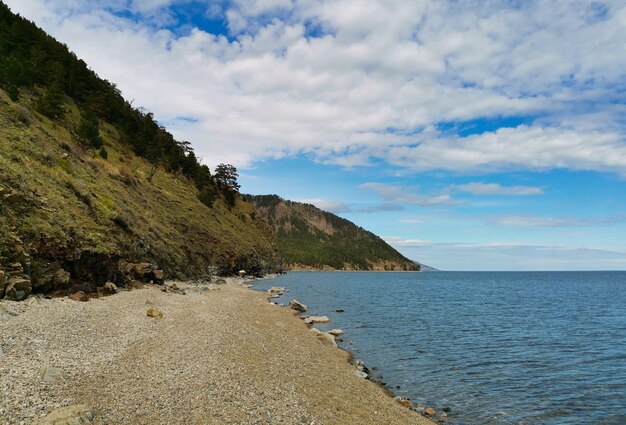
<point x="153" y="312"/>
<point x="109" y="288"/>
<point x="17" y="289"/>
<point x="174" y="287"/>
<point x="159" y="276"/>
<point x="79" y="296"/>
<point x="276" y="291"/>
<point x="143" y="269"/>
<point x="56" y="294"/>
<point x="298" y="306"/>
<point x="70" y="415"/>
<point x="429" y="411"/>
<point x="406" y="403"/>
<point x="136" y="284"/>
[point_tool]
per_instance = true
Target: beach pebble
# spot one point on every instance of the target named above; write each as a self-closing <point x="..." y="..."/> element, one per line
<point x="316" y="319"/>
<point x="360" y="374"/>
<point x="70" y="415"/>
<point x="153" y="312"/>
<point x="298" y="306"/>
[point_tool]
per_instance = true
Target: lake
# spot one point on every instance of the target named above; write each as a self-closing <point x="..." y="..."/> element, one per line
<point x="493" y="347"/>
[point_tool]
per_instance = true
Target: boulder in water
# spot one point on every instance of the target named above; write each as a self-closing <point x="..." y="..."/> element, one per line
<point x="298" y="306"/>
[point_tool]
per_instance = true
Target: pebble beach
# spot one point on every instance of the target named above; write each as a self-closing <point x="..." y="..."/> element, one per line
<point x="220" y="354"/>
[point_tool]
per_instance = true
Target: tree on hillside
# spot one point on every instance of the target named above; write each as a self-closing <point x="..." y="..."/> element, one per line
<point x="226" y="175"/>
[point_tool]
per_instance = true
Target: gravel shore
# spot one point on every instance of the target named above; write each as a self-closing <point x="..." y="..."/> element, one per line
<point x="223" y="356"/>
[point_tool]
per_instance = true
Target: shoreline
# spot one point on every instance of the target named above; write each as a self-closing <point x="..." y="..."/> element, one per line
<point x="221" y="354"/>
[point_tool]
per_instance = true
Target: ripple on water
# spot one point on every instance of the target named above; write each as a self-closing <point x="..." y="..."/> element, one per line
<point x="496" y="348"/>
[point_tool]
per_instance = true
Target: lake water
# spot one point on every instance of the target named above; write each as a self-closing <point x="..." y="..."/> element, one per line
<point x="493" y="347"/>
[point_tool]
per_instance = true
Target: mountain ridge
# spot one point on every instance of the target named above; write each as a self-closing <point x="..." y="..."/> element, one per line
<point x="309" y="238"/>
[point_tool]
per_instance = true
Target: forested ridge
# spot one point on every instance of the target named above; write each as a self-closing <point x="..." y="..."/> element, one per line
<point x="308" y="237"/>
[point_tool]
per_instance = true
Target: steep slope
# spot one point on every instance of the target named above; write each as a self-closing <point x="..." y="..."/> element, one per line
<point x="64" y="207"/>
<point x="94" y="190"/>
<point x="309" y="238"/>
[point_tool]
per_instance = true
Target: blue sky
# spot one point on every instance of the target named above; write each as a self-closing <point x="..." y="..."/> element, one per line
<point x="469" y="135"/>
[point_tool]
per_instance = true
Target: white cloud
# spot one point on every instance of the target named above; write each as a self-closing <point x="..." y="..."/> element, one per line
<point x="508" y="256"/>
<point x="477" y="188"/>
<point x="334" y="207"/>
<point x="547" y="221"/>
<point x="375" y="81"/>
<point x="403" y="195"/>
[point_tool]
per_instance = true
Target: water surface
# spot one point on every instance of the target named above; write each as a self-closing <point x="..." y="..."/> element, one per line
<point x="494" y="347"/>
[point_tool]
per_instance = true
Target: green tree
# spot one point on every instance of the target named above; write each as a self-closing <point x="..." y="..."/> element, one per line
<point x="50" y="103"/>
<point x="89" y="131"/>
<point x="226" y="175"/>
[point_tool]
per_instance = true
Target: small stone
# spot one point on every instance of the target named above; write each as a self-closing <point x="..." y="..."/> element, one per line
<point x="406" y="403"/>
<point x="276" y="291"/>
<point x="360" y="374"/>
<point x="335" y="332"/>
<point x="339" y="310"/>
<point x="70" y="415"/>
<point x="316" y="319"/>
<point x="429" y="411"/>
<point x="327" y="339"/>
<point x="18" y="289"/>
<point x="159" y="276"/>
<point x="153" y="312"/>
<point x="50" y="374"/>
<point x="220" y="282"/>
<point x="298" y="306"/>
<point x="110" y="288"/>
<point x="174" y="287"/>
<point x="79" y="296"/>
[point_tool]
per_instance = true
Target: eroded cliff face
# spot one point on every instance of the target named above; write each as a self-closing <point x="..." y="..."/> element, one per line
<point x="70" y="219"/>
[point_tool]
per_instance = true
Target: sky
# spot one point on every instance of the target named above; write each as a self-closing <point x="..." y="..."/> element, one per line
<point x="470" y="135"/>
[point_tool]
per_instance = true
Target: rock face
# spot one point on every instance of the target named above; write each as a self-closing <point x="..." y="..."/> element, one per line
<point x="298" y="306"/>
<point x="18" y="289"/>
<point x="70" y="415"/>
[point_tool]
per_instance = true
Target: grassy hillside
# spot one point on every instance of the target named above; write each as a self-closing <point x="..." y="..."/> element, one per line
<point x="308" y="237"/>
<point x="64" y="206"/>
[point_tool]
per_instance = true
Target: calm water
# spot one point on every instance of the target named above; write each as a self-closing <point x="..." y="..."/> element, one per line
<point x="496" y="348"/>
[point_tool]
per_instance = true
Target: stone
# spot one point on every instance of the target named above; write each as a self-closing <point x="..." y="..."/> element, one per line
<point x="143" y="269"/>
<point x="298" y="306"/>
<point x="429" y="411"/>
<point x="242" y="273"/>
<point x="327" y="339"/>
<point x="339" y="310"/>
<point x="110" y="288"/>
<point x="315" y="331"/>
<point x="159" y="276"/>
<point x="50" y="374"/>
<point x="405" y="402"/>
<point x="79" y="296"/>
<point x="57" y="294"/>
<point x="136" y="284"/>
<point x="18" y="289"/>
<point x="335" y="332"/>
<point x="360" y="374"/>
<point x="174" y="287"/>
<point x="79" y="414"/>
<point x="153" y="312"/>
<point x="220" y="282"/>
<point x="276" y="291"/>
<point x="316" y="319"/>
